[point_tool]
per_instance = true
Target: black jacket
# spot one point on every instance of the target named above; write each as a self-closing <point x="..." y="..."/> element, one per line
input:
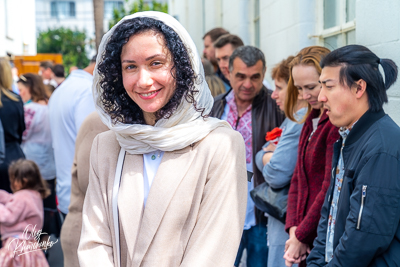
<point x="265" y="116"/>
<point x="367" y="230"/>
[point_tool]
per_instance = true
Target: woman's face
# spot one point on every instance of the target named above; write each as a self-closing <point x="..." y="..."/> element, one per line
<point x="305" y="78"/>
<point x="280" y="92"/>
<point x="24" y="92"/>
<point x="146" y="73"/>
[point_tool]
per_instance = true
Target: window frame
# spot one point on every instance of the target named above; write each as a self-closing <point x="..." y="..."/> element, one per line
<point x="55" y="10"/>
<point x="256" y="23"/>
<point x="339" y="30"/>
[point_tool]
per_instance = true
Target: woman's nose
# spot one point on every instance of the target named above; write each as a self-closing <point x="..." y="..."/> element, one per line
<point x="274" y="94"/>
<point x="145" y="80"/>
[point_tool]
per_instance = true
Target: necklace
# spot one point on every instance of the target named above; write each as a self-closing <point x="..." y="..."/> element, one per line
<point x="153" y="157"/>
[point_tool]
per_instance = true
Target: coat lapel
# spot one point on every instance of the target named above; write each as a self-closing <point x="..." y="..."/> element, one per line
<point x="130" y="199"/>
<point x="173" y="168"/>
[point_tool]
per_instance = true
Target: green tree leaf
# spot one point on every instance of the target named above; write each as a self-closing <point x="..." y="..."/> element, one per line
<point x="70" y="43"/>
<point x="137" y="6"/>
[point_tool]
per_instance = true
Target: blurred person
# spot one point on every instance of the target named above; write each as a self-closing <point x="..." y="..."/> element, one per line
<point x="58" y="74"/>
<point x="311" y="176"/>
<point x="208" y="67"/>
<point x="69" y="105"/>
<point x="177" y="205"/>
<point x="71" y="228"/>
<point x="209" y="52"/>
<point x="277" y="162"/>
<point x="360" y="217"/>
<point x="46" y="72"/>
<point x="21" y="216"/>
<point x="215" y="84"/>
<point x="37" y="142"/>
<point x="12" y="119"/>
<point x="2" y="144"/>
<point x="15" y="76"/>
<point x="250" y="110"/>
<point x="224" y="47"/>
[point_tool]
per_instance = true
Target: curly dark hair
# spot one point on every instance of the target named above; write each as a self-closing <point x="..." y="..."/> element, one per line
<point x="116" y="102"/>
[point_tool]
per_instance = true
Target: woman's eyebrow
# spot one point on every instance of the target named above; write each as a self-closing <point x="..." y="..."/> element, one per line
<point x="146" y="59"/>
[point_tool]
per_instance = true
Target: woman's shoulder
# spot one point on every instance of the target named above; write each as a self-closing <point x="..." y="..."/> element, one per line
<point x="107" y="140"/>
<point x="222" y="136"/>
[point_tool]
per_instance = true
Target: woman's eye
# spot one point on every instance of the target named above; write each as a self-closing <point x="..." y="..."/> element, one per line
<point x="130" y="67"/>
<point x="156" y="63"/>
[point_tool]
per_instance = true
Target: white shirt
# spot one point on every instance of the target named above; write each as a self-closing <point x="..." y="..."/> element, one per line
<point x="69" y="105"/>
<point x="151" y="162"/>
<point x="36" y="139"/>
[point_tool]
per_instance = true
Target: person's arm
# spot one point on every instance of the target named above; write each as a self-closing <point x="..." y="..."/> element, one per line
<point x="279" y="171"/>
<point x="306" y="229"/>
<point x="2" y="144"/>
<point x="4" y="196"/>
<point x="215" y="239"/>
<point x="11" y="208"/>
<point x="291" y="214"/>
<point x="21" y="119"/>
<point x="368" y="236"/>
<point x="95" y="246"/>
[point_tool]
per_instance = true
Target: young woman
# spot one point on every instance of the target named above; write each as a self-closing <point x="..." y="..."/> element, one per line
<point x="311" y="176"/>
<point x="167" y="186"/>
<point x="36" y="142"/>
<point x="277" y="162"/>
<point x="12" y="119"/>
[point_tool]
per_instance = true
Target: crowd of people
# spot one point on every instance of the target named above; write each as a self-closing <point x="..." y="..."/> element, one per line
<point x="192" y="140"/>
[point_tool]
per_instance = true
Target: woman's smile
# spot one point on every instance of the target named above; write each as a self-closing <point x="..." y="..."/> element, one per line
<point x="149" y="95"/>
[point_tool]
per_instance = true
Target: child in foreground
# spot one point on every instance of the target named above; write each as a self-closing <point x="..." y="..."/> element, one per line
<point x="21" y="216"/>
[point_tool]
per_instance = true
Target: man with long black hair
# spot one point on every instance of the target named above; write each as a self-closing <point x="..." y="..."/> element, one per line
<point x="359" y="223"/>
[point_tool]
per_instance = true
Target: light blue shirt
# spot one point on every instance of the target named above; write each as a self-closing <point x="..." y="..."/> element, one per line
<point x="69" y="105"/>
<point x="250" y="220"/>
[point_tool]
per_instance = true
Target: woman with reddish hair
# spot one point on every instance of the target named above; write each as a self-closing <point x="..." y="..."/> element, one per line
<point x="311" y="176"/>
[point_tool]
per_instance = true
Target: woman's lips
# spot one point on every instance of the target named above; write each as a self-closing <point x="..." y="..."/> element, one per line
<point x="149" y="95"/>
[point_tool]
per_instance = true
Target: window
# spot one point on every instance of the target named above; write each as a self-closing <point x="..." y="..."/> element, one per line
<point x="63" y="9"/>
<point x="109" y="7"/>
<point x="338" y="23"/>
<point x="257" y="23"/>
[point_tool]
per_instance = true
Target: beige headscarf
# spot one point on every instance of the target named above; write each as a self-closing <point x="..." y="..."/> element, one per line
<point x="184" y="127"/>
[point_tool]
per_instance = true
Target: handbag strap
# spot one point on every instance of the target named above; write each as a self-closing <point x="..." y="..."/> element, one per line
<point x="117" y="181"/>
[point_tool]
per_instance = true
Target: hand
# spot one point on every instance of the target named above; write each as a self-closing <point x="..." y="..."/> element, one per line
<point x="270" y="147"/>
<point x="295" y="251"/>
<point x="267" y="158"/>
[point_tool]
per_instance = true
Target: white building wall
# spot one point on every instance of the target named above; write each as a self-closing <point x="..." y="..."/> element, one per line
<point x="287" y="26"/>
<point x="378" y="28"/>
<point x="17" y="27"/>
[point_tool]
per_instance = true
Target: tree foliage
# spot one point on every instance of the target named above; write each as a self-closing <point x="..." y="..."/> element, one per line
<point x="70" y="43"/>
<point x="137" y="6"/>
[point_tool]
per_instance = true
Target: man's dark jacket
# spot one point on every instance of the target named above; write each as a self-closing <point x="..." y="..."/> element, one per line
<point x="367" y="230"/>
<point x="265" y="116"/>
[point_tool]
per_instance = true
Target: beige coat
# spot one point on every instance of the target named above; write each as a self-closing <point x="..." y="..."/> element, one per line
<point x="194" y="213"/>
<point x="71" y="229"/>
